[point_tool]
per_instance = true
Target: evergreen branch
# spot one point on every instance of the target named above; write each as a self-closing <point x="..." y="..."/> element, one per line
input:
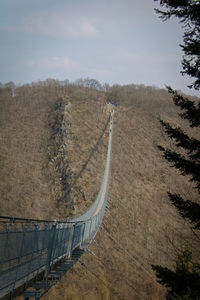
<point x="186" y="166"/>
<point x="192" y="68"/>
<point x="187" y="209"/>
<point x="182" y="139"/>
<point x="165" y="276"/>
<point x="184" y="282"/>
<point x="191" y="47"/>
<point x="187" y="11"/>
<point x="192" y="114"/>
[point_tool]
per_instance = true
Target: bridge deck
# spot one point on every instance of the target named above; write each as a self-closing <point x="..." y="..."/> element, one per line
<point x="28" y="250"/>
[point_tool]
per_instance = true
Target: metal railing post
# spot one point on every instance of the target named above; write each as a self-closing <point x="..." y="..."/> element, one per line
<point x="50" y="249"/>
<point x="69" y="250"/>
<point x="19" y="259"/>
<point x="5" y="249"/>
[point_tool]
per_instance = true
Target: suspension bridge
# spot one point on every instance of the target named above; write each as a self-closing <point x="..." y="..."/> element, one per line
<point x="35" y="254"/>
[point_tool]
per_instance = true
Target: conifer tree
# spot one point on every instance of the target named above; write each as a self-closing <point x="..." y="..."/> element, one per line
<point x="184" y="282"/>
<point x="188" y="13"/>
<point x="188" y="163"/>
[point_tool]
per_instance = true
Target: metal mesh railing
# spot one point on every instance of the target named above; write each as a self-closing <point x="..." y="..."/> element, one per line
<point x="28" y="247"/>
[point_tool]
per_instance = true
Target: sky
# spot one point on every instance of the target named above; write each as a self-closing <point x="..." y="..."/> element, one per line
<point x="113" y="41"/>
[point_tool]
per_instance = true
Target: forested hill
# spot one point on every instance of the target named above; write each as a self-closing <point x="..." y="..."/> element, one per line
<point x="52" y="157"/>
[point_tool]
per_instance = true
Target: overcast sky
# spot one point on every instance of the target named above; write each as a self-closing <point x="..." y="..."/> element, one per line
<point x="114" y="41"/>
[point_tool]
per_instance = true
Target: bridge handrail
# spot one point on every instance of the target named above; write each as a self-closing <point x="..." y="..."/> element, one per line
<point x="26" y="251"/>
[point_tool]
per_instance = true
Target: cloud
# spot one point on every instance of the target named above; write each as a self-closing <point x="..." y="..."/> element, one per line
<point x="29" y="63"/>
<point x="54" y="63"/>
<point x="99" y="73"/>
<point x="147" y="58"/>
<point x="55" y="24"/>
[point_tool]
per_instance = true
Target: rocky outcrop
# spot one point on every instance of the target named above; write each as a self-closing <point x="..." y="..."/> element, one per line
<point x="60" y="173"/>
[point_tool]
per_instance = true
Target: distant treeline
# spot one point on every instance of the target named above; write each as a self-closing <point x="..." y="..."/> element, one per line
<point x="84" y="82"/>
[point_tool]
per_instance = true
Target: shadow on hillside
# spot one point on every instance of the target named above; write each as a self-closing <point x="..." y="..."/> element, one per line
<point x="88" y="159"/>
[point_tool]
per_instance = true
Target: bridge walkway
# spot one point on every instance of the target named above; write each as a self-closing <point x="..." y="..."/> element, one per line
<point x="29" y="248"/>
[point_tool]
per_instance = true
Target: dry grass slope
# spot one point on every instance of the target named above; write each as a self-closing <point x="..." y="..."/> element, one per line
<point x="24" y="138"/>
<point x="140" y="227"/>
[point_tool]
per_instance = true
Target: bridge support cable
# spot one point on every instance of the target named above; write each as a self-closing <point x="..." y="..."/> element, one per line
<point x="134" y="259"/>
<point x="127" y="281"/>
<point x="31" y="247"/>
<point x="95" y="275"/>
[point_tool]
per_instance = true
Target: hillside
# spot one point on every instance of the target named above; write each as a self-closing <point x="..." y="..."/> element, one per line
<point x="52" y="156"/>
